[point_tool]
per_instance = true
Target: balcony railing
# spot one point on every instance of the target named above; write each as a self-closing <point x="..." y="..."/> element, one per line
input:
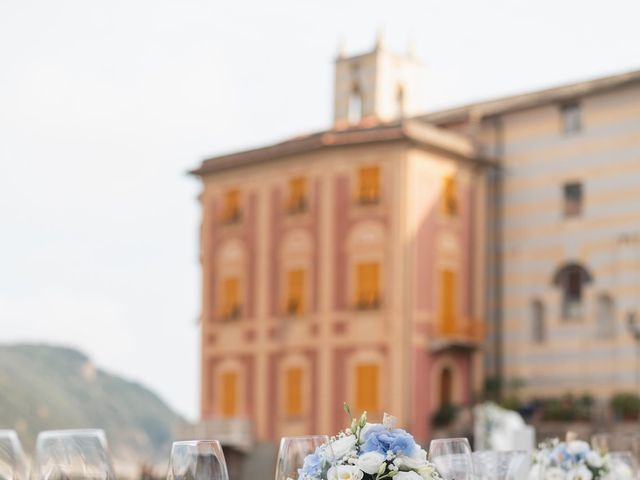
<point x="462" y="333"/>
<point x="233" y="432"/>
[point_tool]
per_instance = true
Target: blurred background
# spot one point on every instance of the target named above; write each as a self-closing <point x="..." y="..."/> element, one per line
<point x="346" y="233"/>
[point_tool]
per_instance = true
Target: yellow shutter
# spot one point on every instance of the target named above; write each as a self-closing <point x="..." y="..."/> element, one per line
<point x="231" y="210"/>
<point x="369" y="185"/>
<point x="230" y="297"/>
<point x="293" y="394"/>
<point x="297" y="194"/>
<point x="295" y="292"/>
<point x="448" y="302"/>
<point x="367" y="284"/>
<point x="229" y="394"/>
<point x="367" y="387"/>
<point x="450" y="196"/>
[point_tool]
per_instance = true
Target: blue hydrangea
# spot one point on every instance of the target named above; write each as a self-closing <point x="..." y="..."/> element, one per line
<point x="382" y="440"/>
<point x="312" y="466"/>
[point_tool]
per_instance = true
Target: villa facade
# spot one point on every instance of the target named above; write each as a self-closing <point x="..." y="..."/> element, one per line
<point x="398" y="259"/>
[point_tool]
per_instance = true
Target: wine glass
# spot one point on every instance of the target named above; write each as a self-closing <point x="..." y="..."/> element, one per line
<point x="197" y="460"/>
<point x="71" y="454"/>
<point x="13" y="463"/>
<point x="293" y="452"/>
<point x="452" y="458"/>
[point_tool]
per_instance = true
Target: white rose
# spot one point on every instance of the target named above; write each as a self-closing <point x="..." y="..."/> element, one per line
<point x="416" y="460"/>
<point x="407" y="476"/>
<point x="370" y="462"/>
<point x="594" y="459"/>
<point x="341" y="447"/>
<point x="577" y="447"/>
<point x="580" y="473"/>
<point x="344" y="472"/>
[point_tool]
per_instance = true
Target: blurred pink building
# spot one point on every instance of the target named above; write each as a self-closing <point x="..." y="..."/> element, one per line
<point x="346" y="265"/>
<point x="397" y="260"/>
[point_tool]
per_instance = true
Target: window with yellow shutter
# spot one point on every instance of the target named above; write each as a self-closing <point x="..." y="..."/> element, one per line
<point x="450" y="196"/>
<point x="369" y="185"/>
<point x="448" y="302"/>
<point x="297" y="202"/>
<point x="367" y="285"/>
<point x="293" y="392"/>
<point x="367" y="387"/>
<point x="230" y="301"/>
<point x="231" y="212"/>
<point x="295" y="292"/>
<point x="229" y="394"/>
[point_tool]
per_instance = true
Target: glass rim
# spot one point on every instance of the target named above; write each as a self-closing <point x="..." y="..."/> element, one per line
<point x="450" y="439"/>
<point x="195" y="443"/>
<point x="72" y="432"/>
<point x="301" y="437"/>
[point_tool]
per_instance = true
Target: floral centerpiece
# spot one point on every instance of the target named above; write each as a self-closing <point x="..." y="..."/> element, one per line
<point x="575" y="460"/>
<point x="369" y="451"/>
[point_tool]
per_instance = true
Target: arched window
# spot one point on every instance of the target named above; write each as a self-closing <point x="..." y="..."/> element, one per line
<point x="355" y="105"/>
<point x="446" y="387"/>
<point x="571" y="279"/>
<point x="605" y="316"/>
<point x="367" y="285"/>
<point x="538" y="329"/>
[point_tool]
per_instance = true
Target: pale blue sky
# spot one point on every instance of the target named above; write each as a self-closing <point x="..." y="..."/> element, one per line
<point x="105" y="104"/>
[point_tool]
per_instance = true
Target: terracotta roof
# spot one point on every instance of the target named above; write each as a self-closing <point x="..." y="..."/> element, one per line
<point x="415" y="131"/>
<point x="564" y="93"/>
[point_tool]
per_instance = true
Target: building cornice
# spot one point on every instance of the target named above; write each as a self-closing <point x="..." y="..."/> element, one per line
<point x="414" y="131"/>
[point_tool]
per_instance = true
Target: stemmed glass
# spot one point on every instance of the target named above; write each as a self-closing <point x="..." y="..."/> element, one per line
<point x="72" y="454"/>
<point x="197" y="460"/>
<point x="294" y="450"/>
<point x="452" y="458"/>
<point x="13" y="463"/>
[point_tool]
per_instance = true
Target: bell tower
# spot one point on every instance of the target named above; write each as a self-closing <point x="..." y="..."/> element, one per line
<point x="378" y="86"/>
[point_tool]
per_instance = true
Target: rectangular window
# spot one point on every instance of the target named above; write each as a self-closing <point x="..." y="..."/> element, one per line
<point x="229" y="394"/>
<point x="295" y="292"/>
<point x="369" y="185"/>
<point x="293" y="395"/>
<point x="448" y="302"/>
<point x="368" y="285"/>
<point x="297" y="202"/>
<point x="231" y="212"/>
<point x="572" y="199"/>
<point x="230" y="305"/>
<point x="367" y="388"/>
<point x="571" y="121"/>
<point x="450" y="196"/>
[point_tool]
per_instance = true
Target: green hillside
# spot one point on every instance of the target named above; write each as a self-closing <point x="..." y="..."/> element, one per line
<point x="45" y="387"/>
